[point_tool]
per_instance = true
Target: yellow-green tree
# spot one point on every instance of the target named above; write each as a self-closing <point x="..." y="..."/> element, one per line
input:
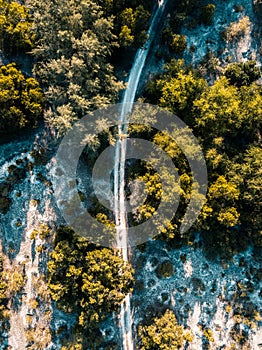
<point x="228" y="111"/>
<point x="85" y="279"/>
<point x="15" y="27"/>
<point x="176" y="89"/>
<point x="163" y="334"/>
<point x="21" y="100"/>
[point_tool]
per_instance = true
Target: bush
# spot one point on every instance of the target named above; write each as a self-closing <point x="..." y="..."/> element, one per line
<point x="178" y="44"/>
<point x="164" y="334"/>
<point x="166" y="269"/>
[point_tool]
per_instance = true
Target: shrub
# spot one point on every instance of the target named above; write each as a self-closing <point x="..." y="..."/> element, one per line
<point x="178" y="44"/>
<point x="164" y="334"/>
<point x="166" y="269"/>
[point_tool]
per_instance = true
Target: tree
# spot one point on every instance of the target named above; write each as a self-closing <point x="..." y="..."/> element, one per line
<point x="179" y="93"/>
<point x="125" y="36"/>
<point x="89" y="280"/>
<point x="74" y="58"/>
<point x="163" y="334"/>
<point x="178" y="44"/>
<point x="218" y="109"/>
<point x="177" y="89"/>
<point x="15" y="27"/>
<point x="21" y="100"/>
<point x="251" y="192"/>
<point x="229" y="112"/>
<point x="242" y="73"/>
<point x="134" y="23"/>
<point x="222" y="200"/>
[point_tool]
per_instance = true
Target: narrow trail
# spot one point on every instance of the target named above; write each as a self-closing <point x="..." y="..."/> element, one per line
<point x="119" y="170"/>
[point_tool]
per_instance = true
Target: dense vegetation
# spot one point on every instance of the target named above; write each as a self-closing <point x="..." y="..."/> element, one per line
<point x="226" y="117"/>
<point x="75" y="44"/>
<point x="163" y="334"/>
<point x="74" y="57"/>
<point x="88" y="280"/>
<point x="15" y="27"/>
<point x="21" y="100"/>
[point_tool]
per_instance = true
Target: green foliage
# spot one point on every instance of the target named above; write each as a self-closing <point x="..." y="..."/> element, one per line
<point x="15" y="280"/>
<point x="126" y="38"/>
<point x="251" y="192"/>
<point x="221" y="198"/>
<point x="163" y="334"/>
<point x="165" y="269"/>
<point x="74" y="58"/>
<point x="179" y="92"/>
<point x="226" y="117"/>
<point x="242" y="73"/>
<point x="228" y="111"/>
<point x="21" y="100"/>
<point x="131" y="20"/>
<point x="43" y="231"/>
<point x="15" y="27"/>
<point x="177" y="89"/>
<point x="208" y="334"/>
<point x="85" y="279"/>
<point x="12" y="282"/>
<point x="178" y="44"/>
<point x="133" y="26"/>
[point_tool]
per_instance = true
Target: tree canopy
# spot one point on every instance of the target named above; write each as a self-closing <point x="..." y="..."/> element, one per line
<point x="163" y="334"/>
<point x="85" y="279"/>
<point x="15" y="27"/>
<point x="73" y="58"/>
<point x="226" y="117"/>
<point x="21" y="100"/>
